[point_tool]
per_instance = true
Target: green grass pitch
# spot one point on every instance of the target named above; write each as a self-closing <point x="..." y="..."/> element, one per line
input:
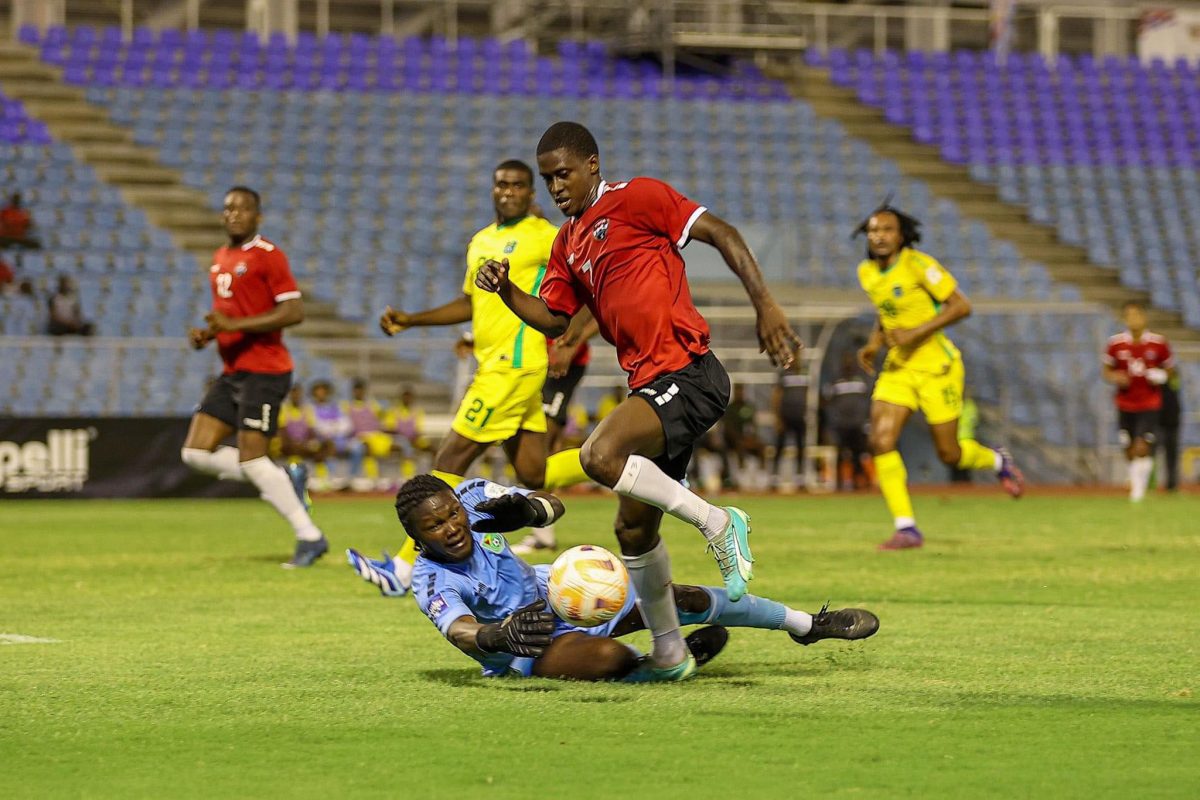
<point x="1041" y="648"/>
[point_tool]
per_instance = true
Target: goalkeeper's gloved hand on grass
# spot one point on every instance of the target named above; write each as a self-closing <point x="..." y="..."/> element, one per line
<point x="511" y="512"/>
<point x="525" y="632"/>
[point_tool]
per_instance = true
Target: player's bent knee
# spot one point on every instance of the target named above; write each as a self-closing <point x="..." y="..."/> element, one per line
<point x="602" y="462"/>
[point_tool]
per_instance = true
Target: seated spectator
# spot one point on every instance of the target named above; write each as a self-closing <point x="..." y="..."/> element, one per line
<point x="610" y="401"/>
<point x="406" y="422"/>
<point x="16" y="224"/>
<point x="367" y="422"/>
<point x="297" y="436"/>
<point x="66" y="316"/>
<point x="24" y="315"/>
<point x="334" y="428"/>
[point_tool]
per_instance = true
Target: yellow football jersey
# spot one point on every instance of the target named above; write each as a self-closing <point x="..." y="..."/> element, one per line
<point x="501" y="338"/>
<point x="909" y="293"/>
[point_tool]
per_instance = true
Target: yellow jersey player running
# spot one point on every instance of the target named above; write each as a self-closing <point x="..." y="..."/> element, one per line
<point x="916" y="298"/>
<point x="503" y="403"/>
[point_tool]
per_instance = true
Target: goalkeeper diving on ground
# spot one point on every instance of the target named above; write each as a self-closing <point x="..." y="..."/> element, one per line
<point x="492" y="605"/>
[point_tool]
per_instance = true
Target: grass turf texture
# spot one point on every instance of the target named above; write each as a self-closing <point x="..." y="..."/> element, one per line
<point x="1042" y="648"/>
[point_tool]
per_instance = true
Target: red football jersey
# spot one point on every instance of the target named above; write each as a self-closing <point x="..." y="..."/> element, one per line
<point x="621" y="259"/>
<point x="583" y="354"/>
<point x="1123" y="354"/>
<point x="246" y="281"/>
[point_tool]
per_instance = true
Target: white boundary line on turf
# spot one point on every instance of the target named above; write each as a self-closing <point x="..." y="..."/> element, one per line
<point x="17" y="638"/>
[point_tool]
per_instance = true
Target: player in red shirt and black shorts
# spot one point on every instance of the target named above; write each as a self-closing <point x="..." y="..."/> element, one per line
<point x="618" y="253"/>
<point x="1138" y="363"/>
<point x="254" y="297"/>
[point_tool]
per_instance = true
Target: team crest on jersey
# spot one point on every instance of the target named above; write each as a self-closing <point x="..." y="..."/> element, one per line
<point x="897" y="291"/>
<point x="508" y="248"/>
<point x="240" y="269"/>
<point x="493" y="542"/>
<point x="600" y="230"/>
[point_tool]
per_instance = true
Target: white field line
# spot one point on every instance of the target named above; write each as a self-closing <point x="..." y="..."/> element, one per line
<point x="17" y="638"/>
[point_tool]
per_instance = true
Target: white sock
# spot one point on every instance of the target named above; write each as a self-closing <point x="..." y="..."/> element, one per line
<point x="644" y="481"/>
<point x="403" y="570"/>
<point x="1139" y="476"/>
<point x="797" y="622"/>
<point x="905" y="522"/>
<point x="544" y="536"/>
<point x="651" y="576"/>
<point x="222" y="462"/>
<point x="999" y="461"/>
<point x="275" y="487"/>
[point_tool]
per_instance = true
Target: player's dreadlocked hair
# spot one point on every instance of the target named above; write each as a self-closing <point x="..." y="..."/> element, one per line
<point x="249" y="191"/>
<point x="910" y="232"/>
<point x="414" y="492"/>
<point x="569" y="136"/>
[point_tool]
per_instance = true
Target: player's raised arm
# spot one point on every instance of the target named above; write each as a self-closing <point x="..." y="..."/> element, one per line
<point x="284" y="315"/>
<point x="533" y="311"/>
<point x="775" y="334"/>
<point x="456" y="312"/>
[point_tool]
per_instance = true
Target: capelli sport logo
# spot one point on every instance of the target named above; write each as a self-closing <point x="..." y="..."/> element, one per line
<point x="59" y="464"/>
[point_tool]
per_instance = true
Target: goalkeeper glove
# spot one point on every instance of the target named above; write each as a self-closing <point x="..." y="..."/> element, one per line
<point x="512" y="512"/>
<point x="525" y="632"/>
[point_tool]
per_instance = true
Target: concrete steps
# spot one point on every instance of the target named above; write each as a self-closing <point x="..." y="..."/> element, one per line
<point x="1035" y="242"/>
<point x="183" y="211"/>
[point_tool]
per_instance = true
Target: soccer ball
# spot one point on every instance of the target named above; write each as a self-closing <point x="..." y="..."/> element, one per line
<point x="588" y="585"/>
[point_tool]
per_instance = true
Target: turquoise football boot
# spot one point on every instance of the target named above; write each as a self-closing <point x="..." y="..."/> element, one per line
<point x="733" y="554"/>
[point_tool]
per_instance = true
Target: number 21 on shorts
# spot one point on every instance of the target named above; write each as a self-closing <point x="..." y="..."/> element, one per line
<point x="472" y="413"/>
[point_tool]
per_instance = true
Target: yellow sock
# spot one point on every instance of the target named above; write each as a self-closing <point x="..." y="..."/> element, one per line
<point x="408" y="553"/>
<point x="371" y="468"/>
<point x="564" y="469"/>
<point x="448" y="477"/>
<point x="320" y="470"/>
<point x="408" y="468"/>
<point x="976" y="456"/>
<point x="893" y="482"/>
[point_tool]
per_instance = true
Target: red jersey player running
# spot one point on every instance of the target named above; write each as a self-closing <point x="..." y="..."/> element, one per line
<point x="254" y="298"/>
<point x="618" y="254"/>
<point x="1138" y="363"/>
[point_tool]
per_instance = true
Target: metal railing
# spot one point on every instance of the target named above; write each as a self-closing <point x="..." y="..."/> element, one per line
<point x="671" y="28"/>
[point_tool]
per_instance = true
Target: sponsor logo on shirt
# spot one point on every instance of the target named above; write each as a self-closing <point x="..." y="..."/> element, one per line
<point x="436" y="606"/>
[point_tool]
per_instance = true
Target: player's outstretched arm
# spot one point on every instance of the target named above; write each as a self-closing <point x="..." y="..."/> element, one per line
<point x="455" y="312"/>
<point x="533" y="311"/>
<point x="775" y="335"/>
<point x="525" y="632"/>
<point x="511" y="512"/>
<point x="283" y="315"/>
